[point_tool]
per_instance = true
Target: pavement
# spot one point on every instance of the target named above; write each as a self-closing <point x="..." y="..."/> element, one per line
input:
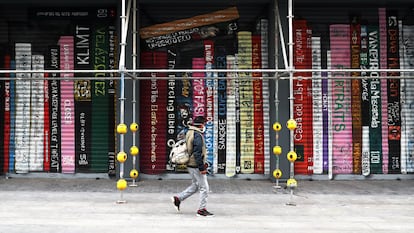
<point x="42" y="205"/>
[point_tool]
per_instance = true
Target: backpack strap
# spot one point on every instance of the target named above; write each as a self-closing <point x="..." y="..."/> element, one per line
<point x="189" y="138"/>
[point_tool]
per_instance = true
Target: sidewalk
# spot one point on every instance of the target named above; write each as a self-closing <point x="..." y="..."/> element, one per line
<point x="89" y="205"/>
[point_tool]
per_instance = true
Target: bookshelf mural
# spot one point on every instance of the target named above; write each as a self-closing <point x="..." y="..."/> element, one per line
<point x="363" y="125"/>
<point x="55" y="122"/>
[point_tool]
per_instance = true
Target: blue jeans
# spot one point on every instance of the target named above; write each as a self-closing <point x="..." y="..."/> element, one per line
<point x="198" y="182"/>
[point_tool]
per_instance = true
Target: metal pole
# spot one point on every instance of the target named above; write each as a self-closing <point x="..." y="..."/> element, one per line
<point x="277" y="28"/>
<point x="291" y="98"/>
<point x="130" y="71"/>
<point x="134" y="81"/>
<point x="122" y="94"/>
<point x="282" y="38"/>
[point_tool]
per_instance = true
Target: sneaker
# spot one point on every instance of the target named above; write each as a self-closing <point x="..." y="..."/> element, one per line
<point x="204" y="213"/>
<point x="176" y="202"/>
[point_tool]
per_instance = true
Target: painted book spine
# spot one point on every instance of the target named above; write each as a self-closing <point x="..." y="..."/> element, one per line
<point x="403" y="98"/>
<point x="82" y="98"/>
<point x="23" y="56"/>
<point x="317" y="107"/>
<point x="2" y="121"/>
<point x="330" y="106"/>
<point x="54" y="110"/>
<point x="355" y="38"/>
<point x="220" y="63"/>
<point x="6" y="116"/>
<point x="259" y="157"/>
<point x="393" y="91"/>
<point x="174" y="27"/>
<point x="238" y="123"/>
<point x="341" y="99"/>
<point x="246" y="103"/>
<point x="302" y="102"/>
<point x="37" y="115"/>
<point x="12" y="119"/>
<point x="67" y="110"/>
<point x="408" y="41"/>
<point x="99" y="98"/>
<point x="325" y="123"/>
<point x="375" y="130"/>
<point x="171" y="106"/>
<point x="153" y="136"/>
<point x="199" y="97"/>
<point x="46" y="121"/>
<point x="308" y="126"/>
<point x="264" y="36"/>
<point x="112" y="87"/>
<point x="210" y="107"/>
<point x="365" y="102"/>
<point x="382" y="16"/>
<point x="231" y="118"/>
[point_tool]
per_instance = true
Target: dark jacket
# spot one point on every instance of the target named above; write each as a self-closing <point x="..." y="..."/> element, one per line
<point x="196" y="148"/>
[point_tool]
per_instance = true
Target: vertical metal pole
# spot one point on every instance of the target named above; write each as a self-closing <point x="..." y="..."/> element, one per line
<point x="282" y="38"/>
<point x="276" y="55"/>
<point x="291" y="98"/>
<point x="134" y="82"/>
<point x="122" y="90"/>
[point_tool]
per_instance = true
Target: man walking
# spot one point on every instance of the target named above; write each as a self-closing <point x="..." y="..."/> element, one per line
<point x="197" y="168"/>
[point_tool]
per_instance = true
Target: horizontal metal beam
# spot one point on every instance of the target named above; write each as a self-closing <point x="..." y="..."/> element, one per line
<point x="210" y="71"/>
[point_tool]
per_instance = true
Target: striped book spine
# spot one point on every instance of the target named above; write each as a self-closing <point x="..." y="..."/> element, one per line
<point x="54" y="109"/>
<point x="341" y="99"/>
<point x="309" y="110"/>
<point x="238" y="120"/>
<point x="6" y="117"/>
<point x="408" y="42"/>
<point x="199" y="100"/>
<point x="330" y="123"/>
<point x="99" y="107"/>
<point x="325" y="123"/>
<point x="259" y="157"/>
<point x="220" y="63"/>
<point x="112" y="87"/>
<point x="231" y="118"/>
<point x="23" y="56"/>
<point x="161" y="62"/>
<point x="211" y="113"/>
<point x="403" y="84"/>
<point x="365" y="102"/>
<point x="355" y="38"/>
<point x="2" y="123"/>
<point x="83" y="98"/>
<point x="317" y="107"/>
<point x="12" y="119"/>
<point x="46" y="122"/>
<point x="37" y="115"/>
<point x="375" y="130"/>
<point x="171" y="105"/>
<point x="393" y="91"/>
<point x="171" y="102"/>
<point x="302" y="89"/>
<point x="153" y="136"/>
<point x="67" y="110"/>
<point x="199" y="109"/>
<point x="382" y="15"/>
<point x="264" y="36"/>
<point x="246" y="103"/>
